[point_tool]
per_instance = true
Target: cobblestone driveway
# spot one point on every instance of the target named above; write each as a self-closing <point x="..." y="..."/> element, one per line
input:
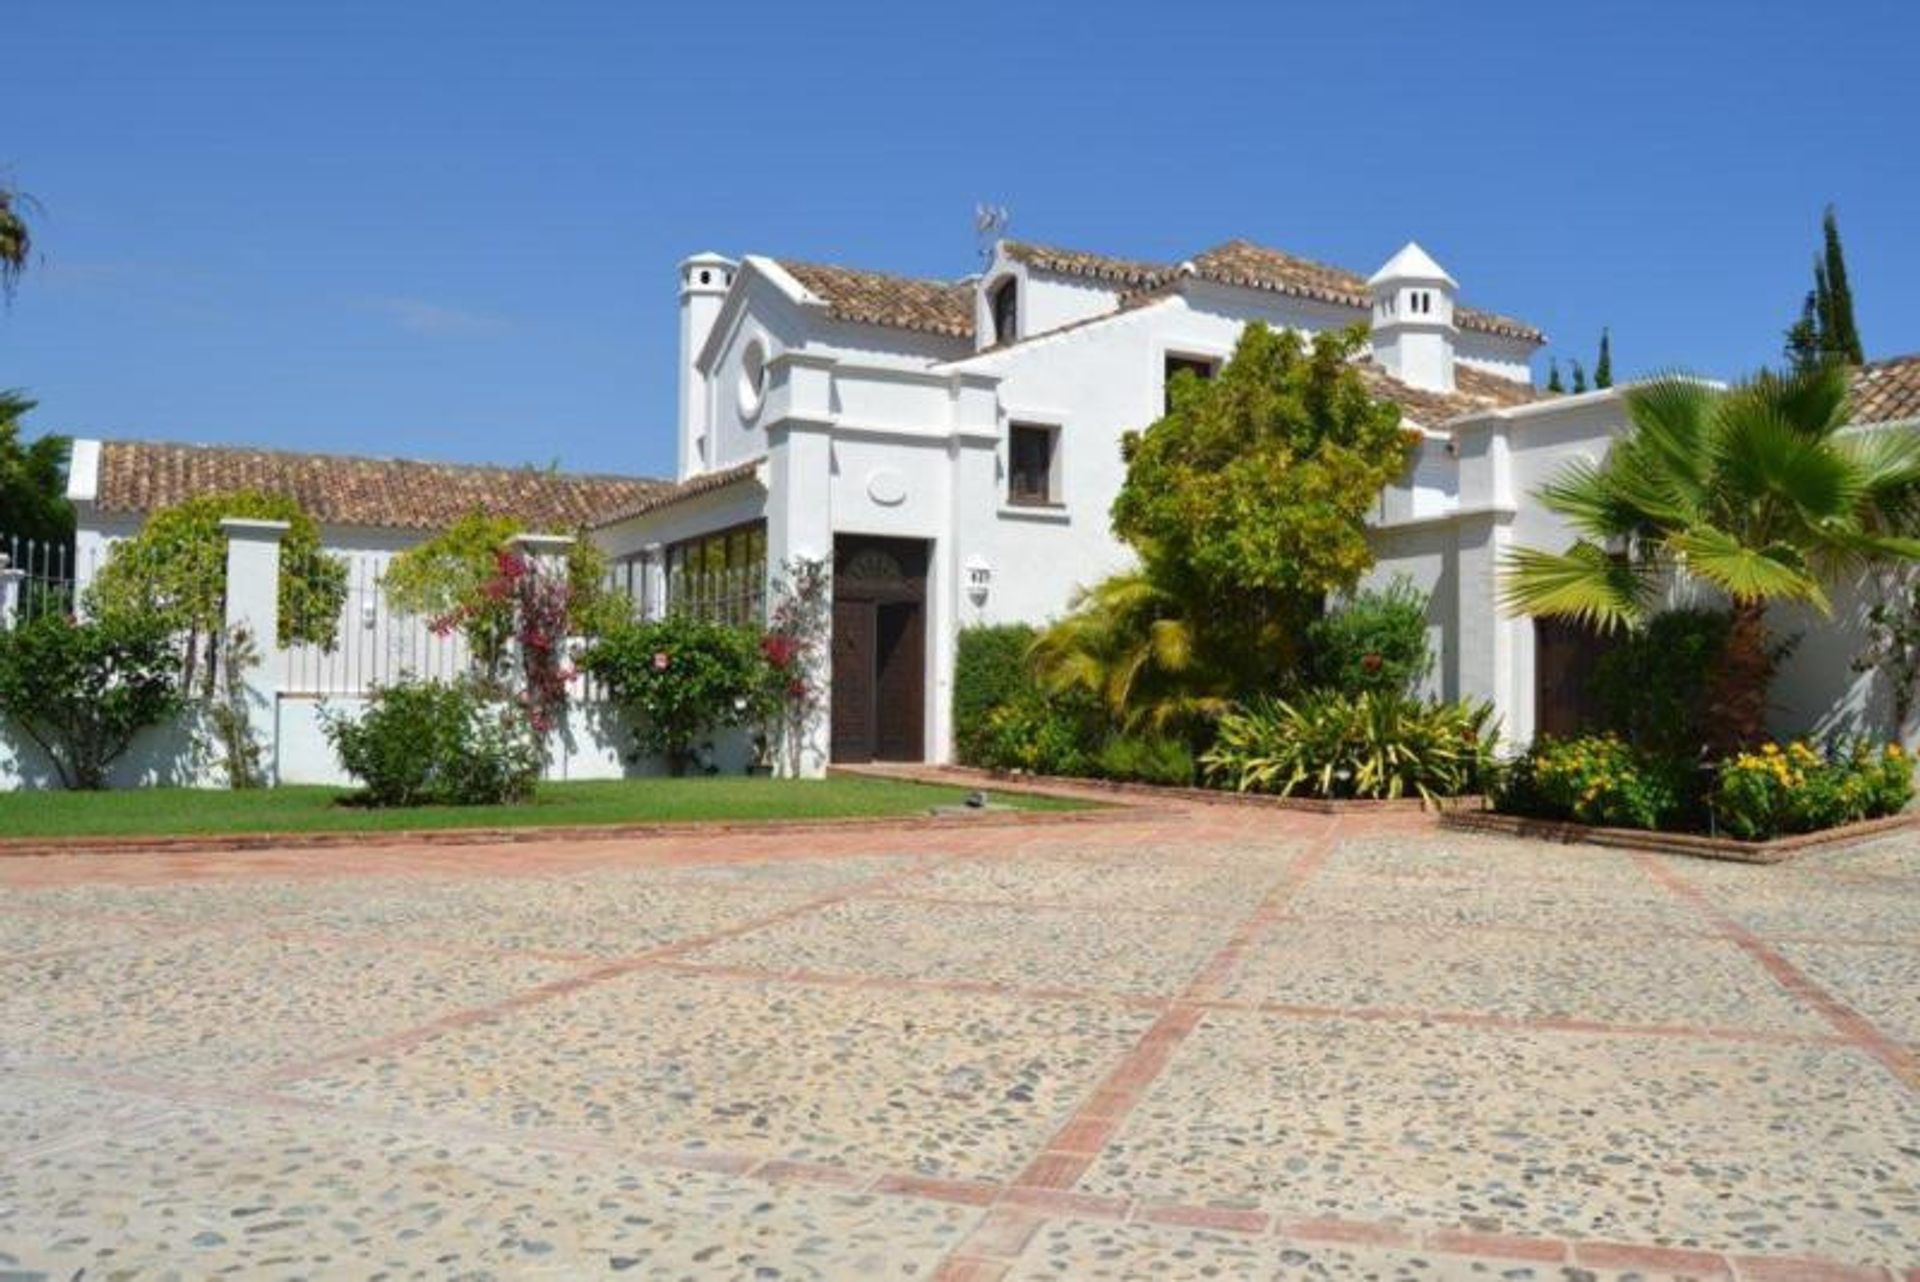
<point x="1207" y="1045"/>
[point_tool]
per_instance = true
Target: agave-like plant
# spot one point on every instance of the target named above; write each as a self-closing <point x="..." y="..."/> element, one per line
<point x="1756" y="491"/>
<point x="1374" y="744"/>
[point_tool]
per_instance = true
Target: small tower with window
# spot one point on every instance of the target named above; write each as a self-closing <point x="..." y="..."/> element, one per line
<point x="1413" y="332"/>
<point x="704" y="280"/>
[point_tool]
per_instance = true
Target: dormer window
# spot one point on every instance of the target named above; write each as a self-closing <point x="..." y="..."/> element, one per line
<point x="1004" y="302"/>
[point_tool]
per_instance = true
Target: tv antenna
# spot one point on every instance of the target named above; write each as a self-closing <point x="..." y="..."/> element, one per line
<point x="989" y="224"/>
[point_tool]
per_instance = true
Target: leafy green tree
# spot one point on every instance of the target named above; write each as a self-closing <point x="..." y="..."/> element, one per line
<point x="1753" y="491"/>
<point x="1248" y="501"/>
<point x="83" y="690"/>
<point x="16" y="238"/>
<point x="1246" y="504"/>
<point x="1554" y="384"/>
<point x="33" y="478"/>
<point x="176" y="569"/>
<point x="1603" y="367"/>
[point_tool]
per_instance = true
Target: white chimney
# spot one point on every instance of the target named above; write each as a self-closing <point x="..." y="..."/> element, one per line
<point x="704" y="280"/>
<point x="1413" y="328"/>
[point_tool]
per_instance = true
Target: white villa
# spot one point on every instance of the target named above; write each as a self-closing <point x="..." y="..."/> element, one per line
<point x="954" y="448"/>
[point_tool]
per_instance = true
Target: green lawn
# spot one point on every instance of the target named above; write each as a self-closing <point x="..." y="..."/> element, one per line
<point x="163" y="811"/>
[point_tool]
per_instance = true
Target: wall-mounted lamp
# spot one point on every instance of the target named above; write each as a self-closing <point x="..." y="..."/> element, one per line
<point x="979" y="580"/>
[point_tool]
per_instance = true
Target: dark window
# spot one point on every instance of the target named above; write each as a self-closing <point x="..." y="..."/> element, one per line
<point x="1198" y="366"/>
<point x="1029" y="464"/>
<point x="1005" y="302"/>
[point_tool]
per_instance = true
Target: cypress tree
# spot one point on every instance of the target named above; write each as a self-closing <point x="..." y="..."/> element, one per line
<point x="1803" y="336"/>
<point x="1603" y="367"/>
<point x="1579" y="378"/>
<point x="1843" y="335"/>
<point x="1553" y="377"/>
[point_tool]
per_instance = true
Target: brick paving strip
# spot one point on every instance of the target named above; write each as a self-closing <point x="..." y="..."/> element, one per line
<point x="1043" y="1190"/>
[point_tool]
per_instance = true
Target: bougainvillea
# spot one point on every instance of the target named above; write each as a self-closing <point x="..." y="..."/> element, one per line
<point x="793" y="649"/>
<point x="535" y="606"/>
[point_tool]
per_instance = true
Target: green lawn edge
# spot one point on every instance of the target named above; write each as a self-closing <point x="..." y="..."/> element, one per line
<point x="164" y="812"/>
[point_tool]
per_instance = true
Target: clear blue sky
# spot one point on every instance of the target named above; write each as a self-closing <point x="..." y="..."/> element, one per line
<point x="449" y="230"/>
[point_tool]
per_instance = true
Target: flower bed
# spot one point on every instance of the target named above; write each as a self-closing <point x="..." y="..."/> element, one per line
<point x="1775" y="793"/>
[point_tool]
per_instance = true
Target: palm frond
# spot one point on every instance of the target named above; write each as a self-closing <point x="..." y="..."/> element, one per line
<point x="1584" y="583"/>
<point x="1766" y="464"/>
<point x="1776" y="572"/>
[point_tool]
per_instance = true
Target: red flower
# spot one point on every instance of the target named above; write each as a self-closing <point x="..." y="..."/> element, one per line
<point x="1371" y="662"/>
<point x="660" y="660"/>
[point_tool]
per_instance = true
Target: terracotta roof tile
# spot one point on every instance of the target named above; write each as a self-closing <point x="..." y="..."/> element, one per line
<point x="1887" y="391"/>
<point x="875" y="298"/>
<point x="1074" y="262"/>
<point x="1243" y="263"/>
<point x="1473" y="390"/>
<point x="693" y="487"/>
<point x="340" y="489"/>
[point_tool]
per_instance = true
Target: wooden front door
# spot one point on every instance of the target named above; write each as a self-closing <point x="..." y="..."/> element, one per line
<point x="1565" y="655"/>
<point x="854" y="673"/>
<point x="879" y="650"/>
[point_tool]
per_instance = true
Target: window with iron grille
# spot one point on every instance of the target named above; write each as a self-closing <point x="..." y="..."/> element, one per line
<point x="720" y="576"/>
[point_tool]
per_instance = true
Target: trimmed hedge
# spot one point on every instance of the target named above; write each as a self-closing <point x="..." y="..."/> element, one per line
<point x="989" y="671"/>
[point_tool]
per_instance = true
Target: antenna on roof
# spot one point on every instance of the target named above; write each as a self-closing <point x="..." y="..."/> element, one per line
<point x="989" y="224"/>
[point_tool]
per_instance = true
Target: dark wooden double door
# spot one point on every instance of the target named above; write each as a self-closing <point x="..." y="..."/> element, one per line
<point x="879" y="649"/>
<point x="1565" y="656"/>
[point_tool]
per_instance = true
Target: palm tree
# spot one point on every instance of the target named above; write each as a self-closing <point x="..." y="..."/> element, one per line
<point x="1754" y="491"/>
<point x="1127" y="644"/>
<point x="16" y="238"/>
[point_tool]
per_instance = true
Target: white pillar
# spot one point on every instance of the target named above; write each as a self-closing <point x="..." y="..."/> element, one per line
<point x="546" y="552"/>
<point x="253" y="604"/>
<point x="10" y="581"/>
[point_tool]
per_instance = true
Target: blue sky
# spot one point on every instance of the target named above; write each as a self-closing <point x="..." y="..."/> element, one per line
<point x="449" y="230"/>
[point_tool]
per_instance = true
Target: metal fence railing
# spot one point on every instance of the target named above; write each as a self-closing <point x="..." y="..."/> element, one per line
<point x="49" y="582"/>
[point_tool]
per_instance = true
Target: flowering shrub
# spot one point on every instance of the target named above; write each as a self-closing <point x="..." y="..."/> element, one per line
<point x="680" y="678"/>
<point x="793" y="654"/>
<point x="1778" y="790"/>
<point x="437" y="743"/>
<point x="1599" y="779"/>
<point x="520" y="602"/>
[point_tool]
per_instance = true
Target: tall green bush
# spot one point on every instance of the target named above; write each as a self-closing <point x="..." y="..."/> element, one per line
<point x="83" y="690"/>
<point x="990" y="669"/>
<point x="1375" y="641"/>
<point x="1653" y="688"/>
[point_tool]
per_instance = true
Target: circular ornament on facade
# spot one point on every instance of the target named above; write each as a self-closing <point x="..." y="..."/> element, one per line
<point x="887" y="486"/>
<point x="753" y="379"/>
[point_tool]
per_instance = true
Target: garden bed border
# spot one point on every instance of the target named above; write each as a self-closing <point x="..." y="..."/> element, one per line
<point x="1698" y="845"/>
<point x="1078" y="789"/>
